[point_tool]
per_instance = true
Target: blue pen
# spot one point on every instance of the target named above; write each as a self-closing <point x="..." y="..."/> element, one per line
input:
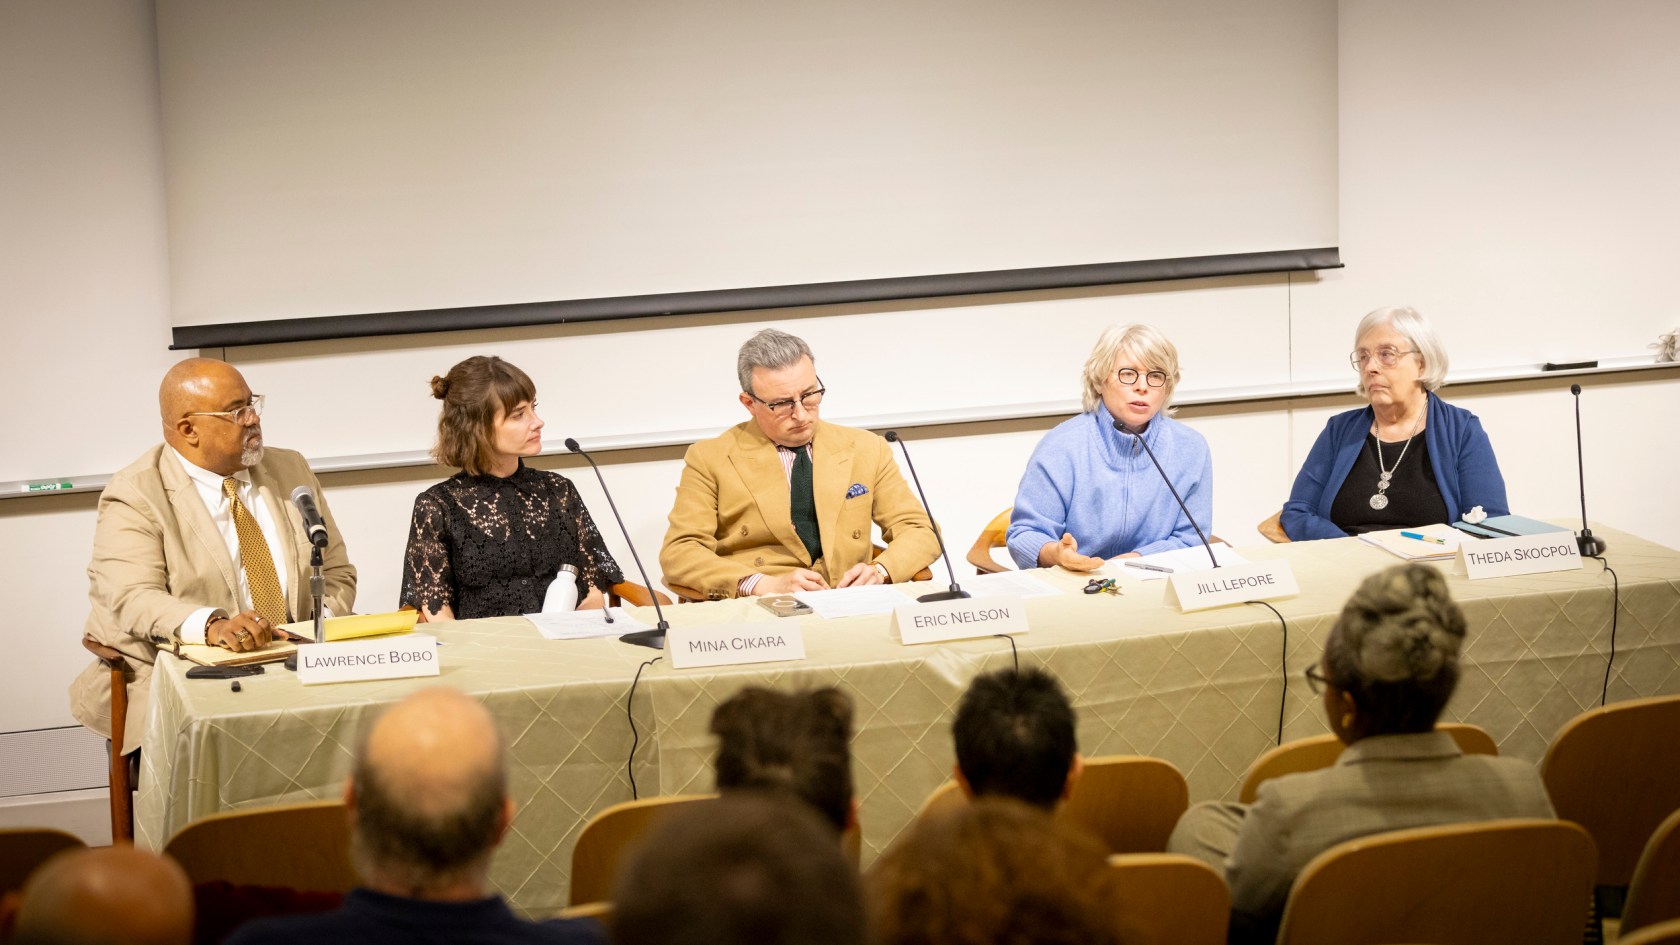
<point x="1422" y="537"/>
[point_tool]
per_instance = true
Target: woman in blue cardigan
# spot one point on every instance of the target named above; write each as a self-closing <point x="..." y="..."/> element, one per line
<point x="1408" y="459"/>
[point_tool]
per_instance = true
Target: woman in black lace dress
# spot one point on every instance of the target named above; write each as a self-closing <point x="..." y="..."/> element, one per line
<point x="489" y="540"/>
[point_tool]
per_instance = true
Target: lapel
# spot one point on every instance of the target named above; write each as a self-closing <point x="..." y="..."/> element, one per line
<point x="760" y="468"/>
<point x="281" y="512"/>
<point x="831" y="476"/>
<point x="190" y="512"/>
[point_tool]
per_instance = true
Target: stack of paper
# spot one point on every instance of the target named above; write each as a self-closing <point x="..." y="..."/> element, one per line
<point x="1437" y="541"/>
<point x="1193" y="558"/>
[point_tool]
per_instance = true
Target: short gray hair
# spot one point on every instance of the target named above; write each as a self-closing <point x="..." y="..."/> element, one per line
<point x="1395" y="648"/>
<point x="1417" y="331"/>
<point x="769" y="349"/>
<point x="1143" y="342"/>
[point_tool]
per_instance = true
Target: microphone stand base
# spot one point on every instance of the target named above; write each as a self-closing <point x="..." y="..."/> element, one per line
<point x="1591" y="545"/>
<point x="652" y="639"/>
<point x="955" y="593"/>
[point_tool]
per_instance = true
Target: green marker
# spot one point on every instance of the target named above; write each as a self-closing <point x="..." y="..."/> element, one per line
<point x="55" y="486"/>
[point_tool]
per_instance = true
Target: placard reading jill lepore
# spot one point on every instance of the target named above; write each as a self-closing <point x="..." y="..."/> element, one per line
<point x="1524" y="554"/>
<point x="394" y="657"/>
<point x="764" y="641"/>
<point x="961" y="619"/>
<point x="1231" y="584"/>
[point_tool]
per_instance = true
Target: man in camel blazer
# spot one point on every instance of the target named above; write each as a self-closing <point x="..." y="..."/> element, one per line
<point x="733" y="527"/>
<point x="165" y="565"/>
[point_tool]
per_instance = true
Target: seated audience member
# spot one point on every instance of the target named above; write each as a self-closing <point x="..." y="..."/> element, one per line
<point x="1014" y="737"/>
<point x="106" y="896"/>
<point x="488" y="541"/>
<point x="748" y="867"/>
<point x="1389" y="667"/>
<point x="798" y="743"/>
<point x="993" y="871"/>
<point x="429" y="805"/>
<point x="1408" y="459"/>
<point x="785" y="502"/>
<point x="1090" y="492"/>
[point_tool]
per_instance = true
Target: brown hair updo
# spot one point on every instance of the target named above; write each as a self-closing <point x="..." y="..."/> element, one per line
<point x="1395" y="648"/>
<point x="472" y="392"/>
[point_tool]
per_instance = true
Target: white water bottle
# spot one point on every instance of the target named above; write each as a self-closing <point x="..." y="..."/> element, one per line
<point x="562" y="595"/>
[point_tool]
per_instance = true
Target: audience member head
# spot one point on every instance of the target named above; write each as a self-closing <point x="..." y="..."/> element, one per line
<point x="780" y="386"/>
<point x="992" y="871"/>
<point x="479" y="395"/>
<point x="750" y="867"/>
<point x="108" y="896"/>
<point x="428" y="797"/>
<point x="1014" y="736"/>
<point x="799" y="743"/>
<point x="1391" y="661"/>
<point x="210" y="416"/>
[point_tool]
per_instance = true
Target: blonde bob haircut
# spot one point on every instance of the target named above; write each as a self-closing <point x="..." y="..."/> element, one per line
<point x="1147" y="347"/>
<point x="472" y="393"/>
<point x="1419" y="334"/>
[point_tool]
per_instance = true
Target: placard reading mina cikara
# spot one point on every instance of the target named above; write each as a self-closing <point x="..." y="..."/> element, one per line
<point x="411" y="654"/>
<point x="763" y="641"/>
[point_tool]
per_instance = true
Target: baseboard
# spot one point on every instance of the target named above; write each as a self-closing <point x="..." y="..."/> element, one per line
<point x="86" y="813"/>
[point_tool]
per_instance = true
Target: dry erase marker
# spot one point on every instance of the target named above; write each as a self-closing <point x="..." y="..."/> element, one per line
<point x="1148" y="567"/>
<point x="1422" y="537"/>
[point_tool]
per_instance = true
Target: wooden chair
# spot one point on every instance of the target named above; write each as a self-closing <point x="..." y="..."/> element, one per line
<point x="609" y="836"/>
<point x="690" y="595"/>
<point x="635" y="595"/>
<point x="1522" y="881"/>
<point x="1663" y="933"/>
<point x="599" y="911"/>
<point x="1321" y="751"/>
<point x="1615" y="770"/>
<point x="24" y="849"/>
<point x="1654" y="893"/>
<point x="1170" y="899"/>
<point x="1272" y="529"/>
<point x="991" y="537"/>
<point x="121" y="784"/>
<point x="298" y="846"/>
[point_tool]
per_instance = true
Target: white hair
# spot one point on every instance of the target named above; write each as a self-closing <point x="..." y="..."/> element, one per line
<point x="1417" y="331"/>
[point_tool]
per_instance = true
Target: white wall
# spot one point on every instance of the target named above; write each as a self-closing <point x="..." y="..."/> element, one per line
<point x="1493" y="164"/>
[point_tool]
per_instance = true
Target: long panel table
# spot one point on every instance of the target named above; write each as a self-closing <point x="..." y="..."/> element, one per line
<point x="1202" y="690"/>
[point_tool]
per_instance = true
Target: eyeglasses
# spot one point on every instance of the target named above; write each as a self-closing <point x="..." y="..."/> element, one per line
<point x="1128" y="377"/>
<point x="1316" y="681"/>
<point x="244" y="416"/>
<point x="1386" y="356"/>
<point x="784" y="408"/>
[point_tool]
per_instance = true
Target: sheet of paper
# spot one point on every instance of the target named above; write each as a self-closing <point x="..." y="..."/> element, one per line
<point x="1394" y="542"/>
<point x="583" y="624"/>
<point x="854" y="601"/>
<point x="1194" y="558"/>
<point x="1008" y="584"/>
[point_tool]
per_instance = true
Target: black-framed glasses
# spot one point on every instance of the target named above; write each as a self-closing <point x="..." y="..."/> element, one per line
<point x="1387" y="356"/>
<point x="244" y="416"/>
<point x="810" y="400"/>
<point x="1316" y="681"/>
<point x="1128" y="376"/>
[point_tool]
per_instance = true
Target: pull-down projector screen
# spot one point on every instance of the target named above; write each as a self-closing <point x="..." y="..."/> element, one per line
<point x="334" y="157"/>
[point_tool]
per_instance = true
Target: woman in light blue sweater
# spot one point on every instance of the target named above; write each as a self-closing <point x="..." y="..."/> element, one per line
<point x="1090" y="492"/>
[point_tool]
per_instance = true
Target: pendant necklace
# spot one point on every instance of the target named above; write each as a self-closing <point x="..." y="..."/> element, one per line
<point x="1380" y="501"/>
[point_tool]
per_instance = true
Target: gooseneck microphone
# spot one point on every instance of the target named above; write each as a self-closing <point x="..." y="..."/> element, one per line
<point x="304" y="499"/>
<point x="654" y="638"/>
<point x="956" y="592"/>
<point x="1590" y="545"/>
<point x="1121" y="428"/>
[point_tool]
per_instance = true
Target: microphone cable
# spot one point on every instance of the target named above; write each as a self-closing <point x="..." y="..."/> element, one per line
<point x="1016" y="654"/>
<point x="635" y="737"/>
<point x="1283" y="664"/>
<point x="1615" y="614"/>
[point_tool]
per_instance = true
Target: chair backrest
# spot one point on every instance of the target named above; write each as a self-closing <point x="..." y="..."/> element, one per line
<point x="1321" y="751"/>
<point x="1654" y="894"/>
<point x="992" y="536"/>
<point x="1272" y="529"/>
<point x="1634" y="747"/>
<point x="1129" y="802"/>
<point x="1526" y="881"/>
<point x="1663" y="933"/>
<point x="1170" y="899"/>
<point x="599" y="911"/>
<point x="24" y="849"/>
<point x="609" y="836"/>
<point x="298" y="846"/>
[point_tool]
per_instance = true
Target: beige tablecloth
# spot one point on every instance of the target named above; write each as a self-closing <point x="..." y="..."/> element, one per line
<point x="1201" y="690"/>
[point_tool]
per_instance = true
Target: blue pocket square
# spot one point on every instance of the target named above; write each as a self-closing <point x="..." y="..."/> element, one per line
<point x="856" y="490"/>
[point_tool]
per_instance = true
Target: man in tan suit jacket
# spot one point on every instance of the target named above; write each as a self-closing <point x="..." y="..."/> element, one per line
<point x="734" y="528"/>
<point x="165" y="563"/>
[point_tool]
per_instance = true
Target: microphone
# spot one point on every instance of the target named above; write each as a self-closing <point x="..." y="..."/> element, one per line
<point x="1121" y="427"/>
<point x="956" y="592"/>
<point x="1589" y="544"/>
<point x="654" y="638"/>
<point x="304" y="499"/>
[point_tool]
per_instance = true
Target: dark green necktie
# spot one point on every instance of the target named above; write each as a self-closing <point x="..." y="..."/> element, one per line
<point x="803" y="503"/>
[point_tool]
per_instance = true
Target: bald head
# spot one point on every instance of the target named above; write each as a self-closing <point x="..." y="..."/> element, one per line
<point x="430" y="794"/>
<point x="118" y="895"/>
<point x="199" y="386"/>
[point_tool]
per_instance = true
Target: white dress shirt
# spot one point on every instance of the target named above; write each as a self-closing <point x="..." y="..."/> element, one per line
<point x="209" y="487"/>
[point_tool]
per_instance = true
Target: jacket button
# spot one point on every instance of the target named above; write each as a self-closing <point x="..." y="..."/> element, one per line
<point x="856" y="534"/>
<point x="758" y="562"/>
<point x="743" y="531"/>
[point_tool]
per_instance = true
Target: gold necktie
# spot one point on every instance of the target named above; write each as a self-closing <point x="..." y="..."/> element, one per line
<point x="259" y="564"/>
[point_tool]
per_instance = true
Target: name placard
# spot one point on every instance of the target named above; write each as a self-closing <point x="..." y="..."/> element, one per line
<point x="1231" y="584"/>
<point x="1524" y="554"/>
<point x="729" y="644"/>
<point x="396" y="657"/>
<point x="963" y="619"/>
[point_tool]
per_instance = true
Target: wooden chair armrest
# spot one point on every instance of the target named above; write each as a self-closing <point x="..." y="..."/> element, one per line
<point x="110" y="657"/>
<point x="685" y="595"/>
<point x="629" y="592"/>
